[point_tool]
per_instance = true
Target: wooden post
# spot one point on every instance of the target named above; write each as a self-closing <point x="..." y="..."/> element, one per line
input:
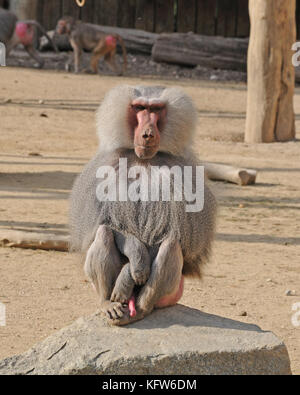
<point x="24" y="9"/>
<point x="271" y="75"/>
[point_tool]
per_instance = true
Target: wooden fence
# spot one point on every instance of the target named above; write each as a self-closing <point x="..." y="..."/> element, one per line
<point x="228" y="18"/>
<point x="4" y="3"/>
<point x="211" y="17"/>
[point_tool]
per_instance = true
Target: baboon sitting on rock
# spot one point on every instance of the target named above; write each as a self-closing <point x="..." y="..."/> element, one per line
<point x="141" y="247"/>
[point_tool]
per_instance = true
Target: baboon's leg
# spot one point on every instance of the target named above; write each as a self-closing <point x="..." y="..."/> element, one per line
<point x="77" y="55"/>
<point x="110" y="59"/>
<point x="165" y="278"/>
<point x="69" y="61"/>
<point x="102" y="266"/>
<point x="124" y="286"/>
<point x="99" y="51"/>
<point x="34" y="54"/>
<point x="138" y="256"/>
<point x="164" y="284"/>
<point x="13" y="42"/>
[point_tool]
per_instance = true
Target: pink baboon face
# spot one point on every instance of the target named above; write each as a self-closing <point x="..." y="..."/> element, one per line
<point x="146" y="124"/>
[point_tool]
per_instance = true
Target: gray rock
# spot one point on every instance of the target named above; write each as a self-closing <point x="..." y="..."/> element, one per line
<point x="177" y="340"/>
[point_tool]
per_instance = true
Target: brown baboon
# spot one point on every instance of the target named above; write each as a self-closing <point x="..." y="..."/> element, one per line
<point x="141" y="248"/>
<point x="89" y="37"/>
<point x="13" y="33"/>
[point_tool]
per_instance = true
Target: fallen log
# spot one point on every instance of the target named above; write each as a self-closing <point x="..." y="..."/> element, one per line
<point x="297" y="74"/>
<point x="240" y="176"/>
<point x="136" y="41"/>
<point x="207" y="51"/>
<point x="33" y="240"/>
<point x="61" y="41"/>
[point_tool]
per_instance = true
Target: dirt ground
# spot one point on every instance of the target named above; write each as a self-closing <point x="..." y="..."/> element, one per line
<point x="47" y="134"/>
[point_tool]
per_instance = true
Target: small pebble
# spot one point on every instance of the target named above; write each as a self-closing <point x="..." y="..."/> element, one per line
<point x="34" y="154"/>
<point x="41" y="101"/>
<point x="243" y="314"/>
<point x="290" y="293"/>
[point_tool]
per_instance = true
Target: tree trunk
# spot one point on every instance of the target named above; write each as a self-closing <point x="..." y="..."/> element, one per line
<point x="271" y="75"/>
<point x="34" y="241"/>
<point x="136" y="41"/>
<point x="236" y="175"/>
<point x="194" y="49"/>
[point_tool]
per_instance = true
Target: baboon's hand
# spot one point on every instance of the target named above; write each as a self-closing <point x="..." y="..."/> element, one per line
<point x="121" y="293"/>
<point x="123" y="288"/>
<point x="140" y="271"/>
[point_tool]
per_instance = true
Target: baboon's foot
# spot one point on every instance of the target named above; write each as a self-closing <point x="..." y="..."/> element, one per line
<point x="113" y="310"/>
<point x="126" y="319"/>
<point x="139" y="273"/>
<point x="88" y="70"/>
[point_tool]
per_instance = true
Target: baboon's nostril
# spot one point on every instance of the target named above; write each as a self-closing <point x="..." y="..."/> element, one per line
<point x="148" y="133"/>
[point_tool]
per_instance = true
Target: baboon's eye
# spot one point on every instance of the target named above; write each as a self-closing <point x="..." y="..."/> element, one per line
<point x="155" y="109"/>
<point x="139" y="108"/>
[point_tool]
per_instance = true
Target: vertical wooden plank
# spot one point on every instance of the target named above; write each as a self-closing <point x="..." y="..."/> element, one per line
<point x="97" y="12"/>
<point x="243" y="24"/>
<point x="206" y="17"/>
<point x="88" y="11"/>
<point x="108" y="12"/>
<point x="226" y="25"/>
<point x="40" y="11"/>
<point x="71" y="8"/>
<point x="51" y="12"/>
<point x="4" y="4"/>
<point x="186" y="19"/>
<point x="144" y="15"/>
<point x="164" y="16"/>
<point x="126" y="13"/>
<point x="298" y="18"/>
<point x="24" y="9"/>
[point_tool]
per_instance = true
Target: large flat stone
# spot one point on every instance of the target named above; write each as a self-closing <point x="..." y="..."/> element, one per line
<point x="177" y="340"/>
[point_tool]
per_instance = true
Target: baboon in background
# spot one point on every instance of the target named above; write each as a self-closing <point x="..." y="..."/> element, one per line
<point x="89" y="37"/>
<point x="13" y="33"/>
<point x="141" y="248"/>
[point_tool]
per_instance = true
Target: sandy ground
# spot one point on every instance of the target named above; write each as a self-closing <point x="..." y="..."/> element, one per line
<point x="256" y="255"/>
